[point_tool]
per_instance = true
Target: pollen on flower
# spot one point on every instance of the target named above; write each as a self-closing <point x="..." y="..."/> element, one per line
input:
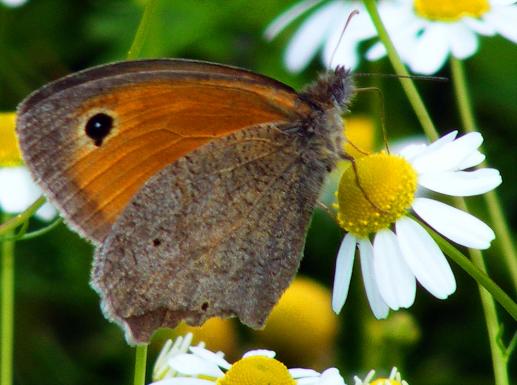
<point x="254" y="370"/>
<point x="450" y="11"/>
<point x="10" y="154"/>
<point x="386" y="189"/>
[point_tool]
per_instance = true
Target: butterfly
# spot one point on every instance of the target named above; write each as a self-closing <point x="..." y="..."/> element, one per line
<point x="194" y="180"/>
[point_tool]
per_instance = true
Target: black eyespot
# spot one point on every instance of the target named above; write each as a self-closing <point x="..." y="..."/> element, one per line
<point x="204" y="307"/>
<point x="98" y="127"/>
<point x="156" y="242"/>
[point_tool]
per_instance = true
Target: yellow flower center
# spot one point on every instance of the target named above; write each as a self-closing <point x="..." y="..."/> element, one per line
<point x="385" y="381"/>
<point x="386" y="189"/>
<point x="257" y="370"/>
<point x="450" y="11"/>
<point x="10" y="154"/>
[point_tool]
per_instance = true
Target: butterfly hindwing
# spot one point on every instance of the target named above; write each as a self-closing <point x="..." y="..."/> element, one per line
<point x="220" y="232"/>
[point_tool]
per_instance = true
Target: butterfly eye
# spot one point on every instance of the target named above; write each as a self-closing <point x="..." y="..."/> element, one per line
<point x="98" y="127"/>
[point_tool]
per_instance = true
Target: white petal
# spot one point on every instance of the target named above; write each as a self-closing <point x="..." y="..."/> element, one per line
<point x="287" y="17"/>
<point x="504" y="20"/>
<point x="17" y="191"/>
<point x="454" y="224"/>
<point x="47" y="212"/>
<point x="425" y="149"/>
<point x="310" y="37"/>
<point x="425" y="259"/>
<point x="308" y="381"/>
<point x="192" y="365"/>
<point x="462" y="183"/>
<point x="448" y="138"/>
<point x="183" y="381"/>
<point x="411" y="151"/>
<point x="409" y="147"/>
<point x="331" y="376"/>
<point x="376" y="52"/>
<point x="463" y="41"/>
<point x="479" y="26"/>
<point x="379" y="308"/>
<point x="344" y="264"/>
<point x="471" y="161"/>
<point x="431" y="51"/>
<point x="449" y="155"/>
<point x="396" y="283"/>
<point x="207" y="355"/>
<point x="501" y="2"/>
<point x="302" y="373"/>
<point x="260" y="352"/>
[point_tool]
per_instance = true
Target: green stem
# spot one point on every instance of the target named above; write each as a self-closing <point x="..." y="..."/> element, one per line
<point x="138" y="42"/>
<point x="492" y="202"/>
<point x="476" y="272"/>
<point x="140" y="364"/>
<point x="23" y="236"/>
<point x="499" y="356"/>
<point x="11" y="224"/>
<point x="400" y="69"/>
<point x="462" y="95"/>
<point x="6" y="361"/>
<point x="135" y="52"/>
<point x="488" y="290"/>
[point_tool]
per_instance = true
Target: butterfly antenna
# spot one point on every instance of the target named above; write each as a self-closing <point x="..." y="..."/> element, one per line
<point x="414" y="77"/>
<point x="352" y="14"/>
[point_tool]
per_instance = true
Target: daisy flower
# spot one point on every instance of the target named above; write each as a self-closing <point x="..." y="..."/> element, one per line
<point x="426" y="32"/>
<point x="394" y="379"/>
<point x="203" y="367"/>
<point x="320" y="31"/>
<point x="396" y="258"/>
<point x="17" y="190"/>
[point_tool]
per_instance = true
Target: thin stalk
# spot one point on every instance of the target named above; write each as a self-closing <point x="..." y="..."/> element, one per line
<point x="9" y="225"/>
<point x="138" y="42"/>
<point x="23" y="236"/>
<point x="407" y="84"/>
<point x="476" y="272"/>
<point x="140" y="364"/>
<point x="495" y="211"/>
<point x="499" y="356"/>
<point x="6" y="360"/>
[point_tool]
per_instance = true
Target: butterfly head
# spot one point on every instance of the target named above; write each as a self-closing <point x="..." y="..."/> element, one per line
<point x="334" y="88"/>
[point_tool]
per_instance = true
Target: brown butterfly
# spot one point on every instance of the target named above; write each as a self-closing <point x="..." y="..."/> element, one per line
<point x="196" y="181"/>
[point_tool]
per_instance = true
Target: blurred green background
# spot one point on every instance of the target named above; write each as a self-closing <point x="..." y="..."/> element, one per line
<point x="61" y="336"/>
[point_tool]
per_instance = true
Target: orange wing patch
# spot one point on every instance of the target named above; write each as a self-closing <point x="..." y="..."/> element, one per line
<point x="154" y="124"/>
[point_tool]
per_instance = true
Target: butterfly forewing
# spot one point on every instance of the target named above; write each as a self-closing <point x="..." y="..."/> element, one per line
<point x="159" y="111"/>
